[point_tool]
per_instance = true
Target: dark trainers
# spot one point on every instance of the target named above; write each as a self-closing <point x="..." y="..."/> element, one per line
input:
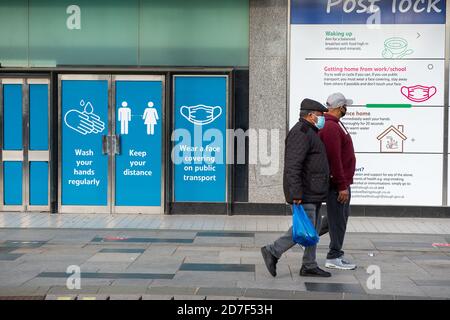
<point x="270" y="260"/>
<point x="316" y="272"/>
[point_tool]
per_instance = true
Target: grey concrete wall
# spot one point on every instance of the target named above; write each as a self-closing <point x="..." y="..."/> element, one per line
<point x="268" y="90"/>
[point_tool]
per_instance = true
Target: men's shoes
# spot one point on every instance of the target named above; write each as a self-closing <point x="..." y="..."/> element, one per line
<point x="316" y="272"/>
<point x="270" y="260"/>
<point x="339" y="263"/>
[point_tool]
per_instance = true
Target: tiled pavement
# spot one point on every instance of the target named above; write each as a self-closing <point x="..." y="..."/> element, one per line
<point x="160" y="263"/>
<point x="205" y="222"/>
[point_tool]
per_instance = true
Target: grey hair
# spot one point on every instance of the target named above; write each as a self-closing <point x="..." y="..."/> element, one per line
<point x="304" y="113"/>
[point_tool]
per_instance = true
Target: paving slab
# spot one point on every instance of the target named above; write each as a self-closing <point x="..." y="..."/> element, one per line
<point x="185" y="252"/>
<point x="412" y="298"/>
<point x="62" y="290"/>
<point x="197" y="282"/>
<point x="123" y="289"/>
<point x="9" y="256"/>
<point x="92" y="297"/>
<point x="132" y="282"/>
<point x="105" y="266"/>
<point x="24" y="250"/>
<point x="222" y="298"/>
<point x="22" y="291"/>
<point x="353" y="296"/>
<point x="269" y="293"/>
<point x="337" y="276"/>
<point x="278" y="284"/>
<point x="189" y="297"/>
<point x="221" y="234"/>
<point x="436" y="291"/>
<point x="61" y="297"/>
<point x="152" y="289"/>
<point x="303" y="295"/>
<point x="156" y="297"/>
<point x="236" y="292"/>
<point x="155" y="266"/>
<point x="159" y="251"/>
<point x="224" y="241"/>
<point x="334" y="287"/>
<point x="114" y="257"/>
<point x="283" y="272"/>
<point x="16" y="278"/>
<point x="395" y="287"/>
<point x="125" y="297"/>
<point x="44" y="282"/>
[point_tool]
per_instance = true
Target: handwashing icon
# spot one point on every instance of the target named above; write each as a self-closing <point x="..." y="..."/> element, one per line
<point x="85" y="122"/>
<point x="396" y="48"/>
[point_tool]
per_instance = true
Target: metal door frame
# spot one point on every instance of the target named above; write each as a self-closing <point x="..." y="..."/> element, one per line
<point x="74" y="208"/>
<point x="41" y="156"/>
<point x="26" y="156"/>
<point x="111" y="208"/>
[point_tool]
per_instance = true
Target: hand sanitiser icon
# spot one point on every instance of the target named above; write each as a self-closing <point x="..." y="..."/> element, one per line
<point x="85" y="122"/>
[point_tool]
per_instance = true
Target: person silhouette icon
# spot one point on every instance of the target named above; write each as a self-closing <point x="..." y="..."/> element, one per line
<point x="150" y="118"/>
<point x="124" y="116"/>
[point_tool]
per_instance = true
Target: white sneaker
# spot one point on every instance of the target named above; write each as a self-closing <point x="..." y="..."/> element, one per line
<point x="339" y="263"/>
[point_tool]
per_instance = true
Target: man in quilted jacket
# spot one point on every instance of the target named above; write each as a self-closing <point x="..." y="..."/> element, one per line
<point x="305" y="182"/>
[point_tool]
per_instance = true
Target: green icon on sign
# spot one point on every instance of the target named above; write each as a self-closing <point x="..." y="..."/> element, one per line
<point x="396" y="48"/>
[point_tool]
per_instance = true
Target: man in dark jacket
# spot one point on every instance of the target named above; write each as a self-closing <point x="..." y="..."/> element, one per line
<point x="341" y="158"/>
<point x="305" y="182"/>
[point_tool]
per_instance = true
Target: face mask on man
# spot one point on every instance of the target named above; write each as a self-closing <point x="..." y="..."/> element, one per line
<point x="343" y="110"/>
<point x="320" y="122"/>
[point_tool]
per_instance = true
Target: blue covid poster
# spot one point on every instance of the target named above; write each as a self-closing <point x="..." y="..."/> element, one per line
<point x="139" y="126"/>
<point x="84" y="120"/>
<point x="199" y="138"/>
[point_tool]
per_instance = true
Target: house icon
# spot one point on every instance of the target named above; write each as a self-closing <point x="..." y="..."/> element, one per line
<point x="392" y="139"/>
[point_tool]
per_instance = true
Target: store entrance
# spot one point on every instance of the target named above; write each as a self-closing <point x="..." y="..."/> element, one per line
<point x="111" y="143"/>
<point x="25" y="152"/>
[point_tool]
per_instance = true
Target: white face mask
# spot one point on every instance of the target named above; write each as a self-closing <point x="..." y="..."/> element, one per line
<point x="201" y="114"/>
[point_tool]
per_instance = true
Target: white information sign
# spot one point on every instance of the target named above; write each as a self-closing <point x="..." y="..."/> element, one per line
<point x="389" y="57"/>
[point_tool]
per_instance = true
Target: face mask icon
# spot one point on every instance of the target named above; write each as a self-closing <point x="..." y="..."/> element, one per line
<point x="418" y="93"/>
<point x="201" y="114"/>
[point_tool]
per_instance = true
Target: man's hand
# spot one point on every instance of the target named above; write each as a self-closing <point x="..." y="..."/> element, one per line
<point x="297" y="201"/>
<point x="343" y="196"/>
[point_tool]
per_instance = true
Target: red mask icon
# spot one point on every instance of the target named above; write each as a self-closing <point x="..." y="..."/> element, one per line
<point x="418" y="93"/>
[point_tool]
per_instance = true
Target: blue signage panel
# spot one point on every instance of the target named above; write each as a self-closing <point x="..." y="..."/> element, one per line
<point x="359" y="12"/>
<point x="139" y="125"/>
<point x="200" y="123"/>
<point x="12" y="117"/>
<point x="84" y="120"/>
<point x="38" y="183"/>
<point x="12" y="183"/>
<point x="39" y="117"/>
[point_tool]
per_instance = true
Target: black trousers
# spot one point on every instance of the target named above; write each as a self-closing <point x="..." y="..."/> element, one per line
<point x="338" y="214"/>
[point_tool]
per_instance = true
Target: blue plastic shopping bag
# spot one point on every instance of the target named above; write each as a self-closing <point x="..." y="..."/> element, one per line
<point x="303" y="231"/>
